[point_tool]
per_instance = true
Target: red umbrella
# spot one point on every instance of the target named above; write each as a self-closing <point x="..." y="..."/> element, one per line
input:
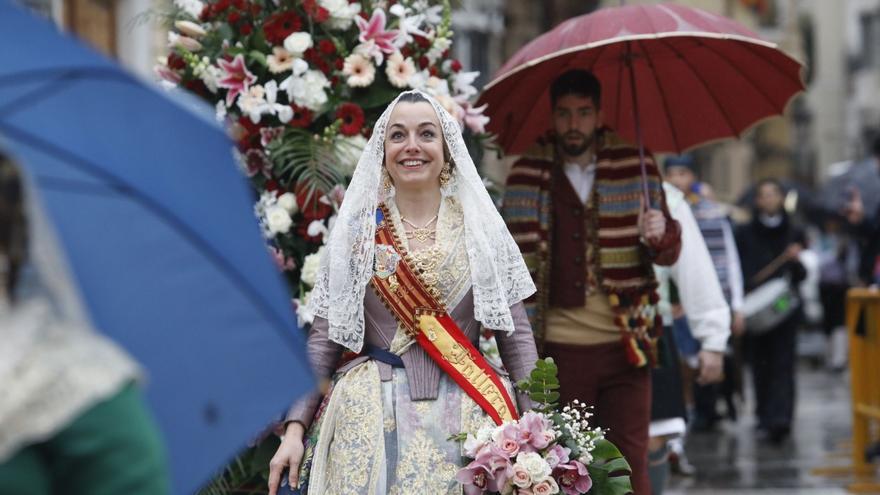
<point x="673" y="77"/>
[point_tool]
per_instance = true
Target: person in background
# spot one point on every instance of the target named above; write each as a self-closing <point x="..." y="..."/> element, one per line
<point x="717" y="231"/>
<point x="72" y="418"/>
<point x="769" y="247"/>
<point x="708" y="314"/>
<point x="867" y="228"/>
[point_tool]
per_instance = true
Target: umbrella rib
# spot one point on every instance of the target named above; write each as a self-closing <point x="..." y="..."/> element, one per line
<point x="705" y="85"/>
<point x="205" y="248"/>
<point x="751" y="83"/>
<point x="748" y="80"/>
<point x="653" y="72"/>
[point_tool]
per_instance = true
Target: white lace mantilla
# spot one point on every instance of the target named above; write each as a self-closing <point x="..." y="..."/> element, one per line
<point x="499" y="276"/>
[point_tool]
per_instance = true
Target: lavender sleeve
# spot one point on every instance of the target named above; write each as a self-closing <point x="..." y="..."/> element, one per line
<point x="323" y="354"/>
<point x="518" y="352"/>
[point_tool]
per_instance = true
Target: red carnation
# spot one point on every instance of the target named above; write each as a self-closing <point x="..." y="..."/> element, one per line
<point x="406" y="51"/>
<point x="205" y="16"/>
<point x="423" y="42"/>
<point x="233" y="17"/>
<point x="326" y="47"/>
<point x="246" y="29"/>
<point x="221" y="6"/>
<point x="175" y="61"/>
<point x="455" y="66"/>
<point x="239" y="4"/>
<point x="434" y="71"/>
<point x="352" y="117"/>
<point x="339" y="64"/>
<point x="310" y="204"/>
<point x="424" y="62"/>
<point x="315" y="11"/>
<point x="302" y="117"/>
<point x="281" y="25"/>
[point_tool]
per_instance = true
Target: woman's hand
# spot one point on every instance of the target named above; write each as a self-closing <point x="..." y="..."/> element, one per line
<point x="288" y="455"/>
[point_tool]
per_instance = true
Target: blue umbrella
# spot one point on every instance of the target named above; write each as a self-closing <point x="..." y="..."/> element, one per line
<point x="157" y="225"/>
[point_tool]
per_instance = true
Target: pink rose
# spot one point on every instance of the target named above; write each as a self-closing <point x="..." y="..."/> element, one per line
<point x="520" y="477"/>
<point x="574" y="478"/>
<point x="547" y="486"/>
<point x="508" y="439"/>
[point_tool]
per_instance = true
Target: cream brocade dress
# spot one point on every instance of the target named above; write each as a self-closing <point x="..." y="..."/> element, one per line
<point x="370" y="438"/>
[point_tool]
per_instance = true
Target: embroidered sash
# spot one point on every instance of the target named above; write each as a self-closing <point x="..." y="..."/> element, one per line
<point x="423" y="317"/>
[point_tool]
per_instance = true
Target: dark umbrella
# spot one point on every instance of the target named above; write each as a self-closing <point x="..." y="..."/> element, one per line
<point x="157" y="226"/>
<point x="838" y="189"/>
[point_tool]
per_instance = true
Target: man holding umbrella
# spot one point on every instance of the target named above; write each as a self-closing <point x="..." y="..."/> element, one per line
<point x="590" y="237"/>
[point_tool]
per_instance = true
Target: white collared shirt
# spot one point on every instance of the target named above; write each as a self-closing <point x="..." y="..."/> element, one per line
<point x="581" y="178"/>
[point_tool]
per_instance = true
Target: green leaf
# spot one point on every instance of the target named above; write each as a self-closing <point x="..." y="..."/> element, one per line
<point x="258" y="57"/>
<point x="606" y="450"/>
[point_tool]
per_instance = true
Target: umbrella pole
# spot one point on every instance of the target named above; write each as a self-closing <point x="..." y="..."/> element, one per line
<point x="641" y="142"/>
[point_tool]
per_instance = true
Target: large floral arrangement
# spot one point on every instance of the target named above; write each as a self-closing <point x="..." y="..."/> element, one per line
<point x="548" y="450"/>
<point x="301" y="83"/>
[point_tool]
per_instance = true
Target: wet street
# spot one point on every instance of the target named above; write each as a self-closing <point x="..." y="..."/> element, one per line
<point x="732" y="460"/>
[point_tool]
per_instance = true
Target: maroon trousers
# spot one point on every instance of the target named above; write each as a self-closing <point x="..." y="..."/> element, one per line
<point x="600" y="376"/>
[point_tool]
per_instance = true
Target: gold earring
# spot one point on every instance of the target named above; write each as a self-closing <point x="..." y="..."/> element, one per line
<point x="387" y="184"/>
<point x="445" y="174"/>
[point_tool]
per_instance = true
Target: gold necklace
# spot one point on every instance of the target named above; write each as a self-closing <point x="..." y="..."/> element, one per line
<point x="422" y="233"/>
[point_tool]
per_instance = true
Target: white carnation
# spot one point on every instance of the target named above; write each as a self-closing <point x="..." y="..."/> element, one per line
<point x="288" y="202"/>
<point x="278" y="221"/>
<point x="341" y="12"/>
<point x="310" y="267"/>
<point x="307" y="90"/>
<point x="297" y="43"/>
<point x="536" y="466"/>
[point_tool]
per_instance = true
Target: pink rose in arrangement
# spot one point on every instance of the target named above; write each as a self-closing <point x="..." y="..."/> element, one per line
<point x="547" y="486"/>
<point x="573" y="478"/>
<point x="520" y="477"/>
<point x="508" y="439"/>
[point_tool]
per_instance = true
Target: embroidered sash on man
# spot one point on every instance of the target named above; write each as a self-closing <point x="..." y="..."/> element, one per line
<point x="424" y="318"/>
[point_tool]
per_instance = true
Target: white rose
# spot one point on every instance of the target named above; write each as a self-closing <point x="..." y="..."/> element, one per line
<point x="278" y="220"/>
<point x="288" y="202"/>
<point x="297" y="43"/>
<point x="534" y="464"/>
<point x="310" y="267"/>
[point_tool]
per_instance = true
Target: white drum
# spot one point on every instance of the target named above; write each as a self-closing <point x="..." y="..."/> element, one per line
<point x="769" y="305"/>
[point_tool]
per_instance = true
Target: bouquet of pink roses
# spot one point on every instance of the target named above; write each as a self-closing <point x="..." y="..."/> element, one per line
<point x="548" y="450"/>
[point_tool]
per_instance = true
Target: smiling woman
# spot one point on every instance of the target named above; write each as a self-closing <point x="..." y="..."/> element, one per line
<point x="419" y="228"/>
